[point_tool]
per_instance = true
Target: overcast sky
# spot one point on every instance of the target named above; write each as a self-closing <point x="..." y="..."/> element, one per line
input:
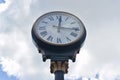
<point x="100" y="53"/>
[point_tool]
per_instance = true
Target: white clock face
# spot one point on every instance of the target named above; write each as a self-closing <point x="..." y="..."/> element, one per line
<point x="58" y="28"/>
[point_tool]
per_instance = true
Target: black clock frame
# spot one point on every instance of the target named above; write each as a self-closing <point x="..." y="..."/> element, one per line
<point x="49" y="50"/>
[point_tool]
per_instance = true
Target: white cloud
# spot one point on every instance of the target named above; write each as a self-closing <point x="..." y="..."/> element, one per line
<point x="5" y="5"/>
<point x="10" y="66"/>
<point x="109" y="72"/>
<point x="18" y="59"/>
<point x="99" y="54"/>
<point x="83" y="60"/>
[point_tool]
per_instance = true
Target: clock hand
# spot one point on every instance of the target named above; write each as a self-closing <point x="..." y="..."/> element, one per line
<point x="59" y="24"/>
<point x="76" y="29"/>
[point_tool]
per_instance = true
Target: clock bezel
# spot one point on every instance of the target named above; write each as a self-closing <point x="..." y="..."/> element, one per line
<point x="82" y="28"/>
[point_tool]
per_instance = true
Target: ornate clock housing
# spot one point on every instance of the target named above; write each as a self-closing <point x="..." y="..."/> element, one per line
<point x="58" y="32"/>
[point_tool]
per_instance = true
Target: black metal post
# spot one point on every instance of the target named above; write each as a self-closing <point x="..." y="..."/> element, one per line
<point x="59" y="75"/>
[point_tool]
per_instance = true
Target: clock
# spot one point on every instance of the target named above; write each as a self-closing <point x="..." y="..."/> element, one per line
<point x="58" y="31"/>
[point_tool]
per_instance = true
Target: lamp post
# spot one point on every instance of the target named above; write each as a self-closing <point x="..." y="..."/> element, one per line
<point x="58" y="36"/>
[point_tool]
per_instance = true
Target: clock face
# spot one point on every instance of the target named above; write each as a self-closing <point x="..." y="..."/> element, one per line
<point x="58" y="28"/>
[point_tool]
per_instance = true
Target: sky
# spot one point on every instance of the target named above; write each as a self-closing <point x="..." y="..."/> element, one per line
<point x="100" y="54"/>
<point x="2" y="1"/>
<point x="4" y="76"/>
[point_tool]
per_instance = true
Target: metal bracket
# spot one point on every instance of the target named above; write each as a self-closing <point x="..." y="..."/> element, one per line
<point x="59" y="66"/>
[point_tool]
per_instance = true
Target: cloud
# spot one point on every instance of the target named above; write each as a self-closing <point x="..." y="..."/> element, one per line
<point x="2" y="1"/>
<point x="16" y="47"/>
<point x="15" y="50"/>
<point x="10" y="66"/>
<point x="4" y="5"/>
<point x="99" y="54"/>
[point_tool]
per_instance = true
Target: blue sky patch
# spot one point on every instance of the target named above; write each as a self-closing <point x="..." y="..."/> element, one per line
<point x="4" y="76"/>
<point x="2" y="1"/>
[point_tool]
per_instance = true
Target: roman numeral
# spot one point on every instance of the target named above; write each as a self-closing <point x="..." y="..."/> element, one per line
<point x="59" y="40"/>
<point x="44" y="22"/>
<point x="72" y="22"/>
<point x="68" y="39"/>
<point x="42" y="28"/>
<point x="73" y="34"/>
<point x="44" y="33"/>
<point x="76" y="29"/>
<point x="50" y="38"/>
<point x="51" y="18"/>
<point x="66" y="19"/>
<point x="57" y="17"/>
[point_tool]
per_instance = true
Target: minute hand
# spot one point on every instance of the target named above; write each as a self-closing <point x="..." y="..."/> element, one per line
<point x="76" y="29"/>
<point x="59" y="24"/>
